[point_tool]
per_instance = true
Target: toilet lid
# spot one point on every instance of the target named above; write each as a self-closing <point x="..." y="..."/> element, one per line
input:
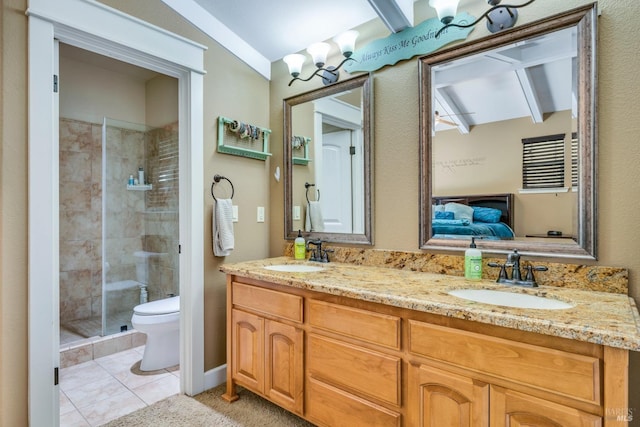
<point x="161" y="306"/>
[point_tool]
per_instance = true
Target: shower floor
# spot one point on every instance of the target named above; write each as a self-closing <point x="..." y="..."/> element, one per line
<point x="81" y="329"/>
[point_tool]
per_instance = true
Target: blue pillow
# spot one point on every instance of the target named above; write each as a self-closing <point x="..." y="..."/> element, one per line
<point x="436" y="208"/>
<point x="482" y="214"/>
<point x="444" y="215"/>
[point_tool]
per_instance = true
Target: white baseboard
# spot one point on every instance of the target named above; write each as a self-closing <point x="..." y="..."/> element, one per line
<point x="214" y="377"/>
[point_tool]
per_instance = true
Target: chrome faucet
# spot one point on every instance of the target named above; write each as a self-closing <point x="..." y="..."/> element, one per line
<point x="318" y="254"/>
<point x="513" y="261"/>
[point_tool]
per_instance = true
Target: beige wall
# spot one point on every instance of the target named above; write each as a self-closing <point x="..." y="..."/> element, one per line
<point x="89" y="92"/>
<point x="234" y="90"/>
<point x="14" y="179"/>
<point x="396" y="138"/>
<point x="161" y="102"/>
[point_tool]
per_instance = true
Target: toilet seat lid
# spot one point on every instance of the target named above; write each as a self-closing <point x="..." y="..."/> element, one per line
<point x="161" y="306"/>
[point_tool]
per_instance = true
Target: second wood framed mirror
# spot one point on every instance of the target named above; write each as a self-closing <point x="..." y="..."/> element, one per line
<point x="492" y="111"/>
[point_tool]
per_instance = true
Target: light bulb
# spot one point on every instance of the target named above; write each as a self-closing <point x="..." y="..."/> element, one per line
<point x="446" y="9"/>
<point x="294" y="62"/>
<point x="346" y="42"/>
<point x="318" y="52"/>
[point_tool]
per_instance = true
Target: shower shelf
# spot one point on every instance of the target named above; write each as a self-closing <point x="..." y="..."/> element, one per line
<point x="139" y="187"/>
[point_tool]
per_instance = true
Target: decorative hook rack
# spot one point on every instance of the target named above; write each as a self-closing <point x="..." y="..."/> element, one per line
<point x="243" y="131"/>
<point x="216" y="179"/>
<point x="301" y="142"/>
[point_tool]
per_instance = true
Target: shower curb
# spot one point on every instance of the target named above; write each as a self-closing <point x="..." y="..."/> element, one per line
<point x="96" y="347"/>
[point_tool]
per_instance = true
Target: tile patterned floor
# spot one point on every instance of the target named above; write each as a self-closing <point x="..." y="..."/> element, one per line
<point x="100" y="390"/>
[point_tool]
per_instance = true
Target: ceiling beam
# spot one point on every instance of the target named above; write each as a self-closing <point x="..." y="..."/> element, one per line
<point x="530" y="94"/>
<point x="396" y="14"/>
<point x="208" y="24"/>
<point x="450" y="109"/>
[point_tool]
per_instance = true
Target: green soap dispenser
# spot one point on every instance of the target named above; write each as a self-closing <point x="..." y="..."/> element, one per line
<point x="473" y="262"/>
<point x="299" y="249"/>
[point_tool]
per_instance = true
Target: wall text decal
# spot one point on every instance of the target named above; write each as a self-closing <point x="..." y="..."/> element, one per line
<point x="418" y="40"/>
<point x="453" y="164"/>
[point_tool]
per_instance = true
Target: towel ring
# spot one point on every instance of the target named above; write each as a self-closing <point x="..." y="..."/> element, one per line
<point x="216" y="179"/>
<point x="307" y="185"/>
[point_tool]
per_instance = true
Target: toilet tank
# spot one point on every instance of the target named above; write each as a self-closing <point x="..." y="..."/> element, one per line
<point x="143" y="261"/>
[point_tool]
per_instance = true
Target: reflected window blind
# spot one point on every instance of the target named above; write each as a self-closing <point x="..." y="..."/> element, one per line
<point x="574" y="160"/>
<point x="543" y="162"/>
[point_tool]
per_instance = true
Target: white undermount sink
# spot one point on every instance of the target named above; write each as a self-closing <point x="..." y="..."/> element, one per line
<point x="294" y="268"/>
<point x="510" y="299"/>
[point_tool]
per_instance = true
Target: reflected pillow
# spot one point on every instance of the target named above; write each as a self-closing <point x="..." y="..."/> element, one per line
<point x="436" y="208"/>
<point x="444" y="215"/>
<point x="460" y="211"/>
<point x="490" y="215"/>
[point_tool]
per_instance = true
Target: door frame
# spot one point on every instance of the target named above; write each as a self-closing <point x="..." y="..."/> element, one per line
<point x="101" y="29"/>
<point x="347" y="116"/>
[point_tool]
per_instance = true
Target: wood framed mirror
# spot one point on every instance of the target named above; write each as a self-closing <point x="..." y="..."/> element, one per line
<point x="328" y="151"/>
<point x="476" y="141"/>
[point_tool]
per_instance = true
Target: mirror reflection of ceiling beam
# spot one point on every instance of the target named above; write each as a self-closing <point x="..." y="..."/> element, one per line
<point x="530" y="94"/>
<point x="547" y="50"/>
<point x="451" y="111"/>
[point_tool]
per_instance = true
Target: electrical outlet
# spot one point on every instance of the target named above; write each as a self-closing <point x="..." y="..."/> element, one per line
<point x="235" y="213"/>
<point x="296" y="213"/>
<point x="260" y="214"/>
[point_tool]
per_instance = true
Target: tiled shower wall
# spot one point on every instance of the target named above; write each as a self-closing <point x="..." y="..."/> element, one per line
<point x="136" y="220"/>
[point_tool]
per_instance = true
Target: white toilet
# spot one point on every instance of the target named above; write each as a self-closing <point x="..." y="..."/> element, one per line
<point x="160" y="321"/>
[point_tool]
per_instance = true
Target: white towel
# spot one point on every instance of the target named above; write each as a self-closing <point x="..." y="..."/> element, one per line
<point x="222" y="226"/>
<point x="314" y="221"/>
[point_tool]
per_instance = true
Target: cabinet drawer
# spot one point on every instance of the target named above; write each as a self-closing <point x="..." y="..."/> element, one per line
<point x="375" y="328"/>
<point x="267" y="301"/>
<point x="330" y="406"/>
<point x="363" y="371"/>
<point x="565" y="373"/>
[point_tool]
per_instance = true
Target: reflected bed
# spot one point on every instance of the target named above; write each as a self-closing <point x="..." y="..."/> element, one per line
<point x="488" y="216"/>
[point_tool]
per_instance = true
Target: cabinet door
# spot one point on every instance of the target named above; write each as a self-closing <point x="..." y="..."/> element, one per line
<point x="247" y="350"/>
<point x="284" y="369"/>
<point x="439" y="398"/>
<point x="513" y="409"/>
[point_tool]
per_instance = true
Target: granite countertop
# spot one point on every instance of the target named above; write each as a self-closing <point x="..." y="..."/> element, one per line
<point x="597" y="317"/>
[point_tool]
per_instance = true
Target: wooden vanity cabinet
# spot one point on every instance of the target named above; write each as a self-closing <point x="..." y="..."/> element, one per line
<point x="440" y="398"/>
<point x="266" y="347"/>
<point x="510" y="408"/>
<point x="338" y="361"/>
<point x="480" y="392"/>
<point x="353" y="371"/>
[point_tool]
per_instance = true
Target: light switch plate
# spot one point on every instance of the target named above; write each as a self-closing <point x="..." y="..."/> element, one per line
<point x="296" y="213"/>
<point x="235" y="213"/>
<point x="260" y="214"/>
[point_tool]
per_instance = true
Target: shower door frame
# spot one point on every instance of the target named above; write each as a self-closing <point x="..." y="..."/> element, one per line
<point x="98" y="28"/>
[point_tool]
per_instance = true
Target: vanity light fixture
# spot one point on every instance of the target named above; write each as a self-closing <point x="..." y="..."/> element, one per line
<point x="499" y="17"/>
<point x="346" y="42"/>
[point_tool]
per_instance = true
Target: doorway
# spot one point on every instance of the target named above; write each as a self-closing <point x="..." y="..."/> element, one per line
<point x="119" y="239"/>
<point x="100" y="29"/>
